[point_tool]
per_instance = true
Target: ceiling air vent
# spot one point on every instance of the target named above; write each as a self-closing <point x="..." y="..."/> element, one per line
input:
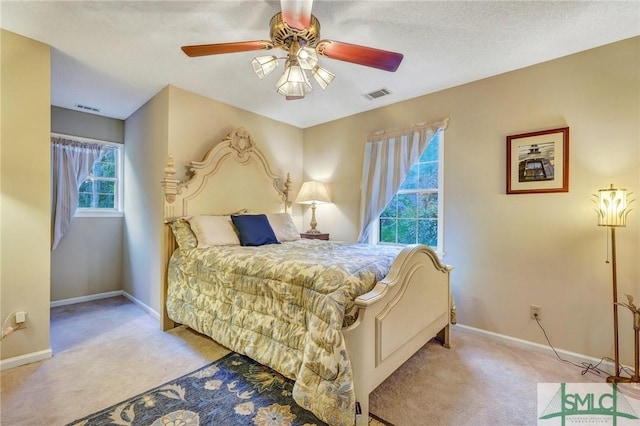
<point x="378" y="93"/>
<point x="87" y="108"/>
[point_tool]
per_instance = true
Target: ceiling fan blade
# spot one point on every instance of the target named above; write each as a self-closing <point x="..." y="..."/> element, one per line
<point x="296" y="13"/>
<point x="362" y="55"/>
<point x="216" y="49"/>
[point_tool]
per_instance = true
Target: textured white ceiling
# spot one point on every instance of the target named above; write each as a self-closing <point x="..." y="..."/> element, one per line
<point x="117" y="55"/>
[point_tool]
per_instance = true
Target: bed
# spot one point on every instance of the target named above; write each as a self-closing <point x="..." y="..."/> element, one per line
<point x="336" y="317"/>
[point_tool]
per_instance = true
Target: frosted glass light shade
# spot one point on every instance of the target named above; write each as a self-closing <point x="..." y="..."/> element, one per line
<point x="307" y="58"/>
<point x="264" y="65"/>
<point x="322" y="76"/>
<point x="294" y="83"/>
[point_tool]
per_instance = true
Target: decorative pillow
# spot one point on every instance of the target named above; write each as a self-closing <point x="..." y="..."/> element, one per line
<point x="283" y="226"/>
<point x="214" y="231"/>
<point x="183" y="234"/>
<point x="254" y="230"/>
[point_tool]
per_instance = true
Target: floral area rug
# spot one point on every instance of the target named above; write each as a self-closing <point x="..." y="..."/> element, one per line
<point x="234" y="390"/>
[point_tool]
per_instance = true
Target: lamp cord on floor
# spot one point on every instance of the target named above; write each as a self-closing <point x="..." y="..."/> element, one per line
<point x="586" y="367"/>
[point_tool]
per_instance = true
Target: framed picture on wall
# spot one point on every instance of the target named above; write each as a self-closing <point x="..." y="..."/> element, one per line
<point x="538" y="162"/>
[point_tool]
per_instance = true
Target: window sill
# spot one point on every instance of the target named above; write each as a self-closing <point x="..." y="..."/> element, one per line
<point x="98" y="213"/>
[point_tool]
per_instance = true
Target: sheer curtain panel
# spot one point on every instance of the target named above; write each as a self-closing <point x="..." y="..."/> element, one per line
<point x="388" y="156"/>
<point x="71" y="163"/>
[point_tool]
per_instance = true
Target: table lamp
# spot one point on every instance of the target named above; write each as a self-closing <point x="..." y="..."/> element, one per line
<point x="313" y="192"/>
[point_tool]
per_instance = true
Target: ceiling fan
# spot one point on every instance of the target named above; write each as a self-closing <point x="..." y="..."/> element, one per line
<point x="297" y="31"/>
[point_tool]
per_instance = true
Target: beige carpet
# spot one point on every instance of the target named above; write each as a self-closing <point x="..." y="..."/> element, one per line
<point x="109" y="350"/>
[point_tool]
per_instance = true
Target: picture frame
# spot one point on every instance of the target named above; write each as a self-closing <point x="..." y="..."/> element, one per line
<point x="538" y="162"/>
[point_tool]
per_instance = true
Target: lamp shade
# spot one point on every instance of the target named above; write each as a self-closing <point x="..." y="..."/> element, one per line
<point x="307" y="58"/>
<point x="322" y="76"/>
<point x="612" y="207"/>
<point x="313" y="192"/>
<point x="264" y="65"/>
<point x="294" y="83"/>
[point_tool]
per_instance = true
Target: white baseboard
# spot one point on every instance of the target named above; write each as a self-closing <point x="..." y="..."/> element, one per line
<point x="17" y="361"/>
<point x="142" y="305"/>
<point x="568" y="355"/>
<point x="88" y="298"/>
<point x="148" y="309"/>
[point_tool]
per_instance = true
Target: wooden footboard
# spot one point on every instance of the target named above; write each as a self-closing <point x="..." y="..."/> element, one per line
<point x="395" y="319"/>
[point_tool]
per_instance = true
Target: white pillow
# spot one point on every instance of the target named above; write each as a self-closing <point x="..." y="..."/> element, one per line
<point x="283" y="226"/>
<point x="214" y="231"/>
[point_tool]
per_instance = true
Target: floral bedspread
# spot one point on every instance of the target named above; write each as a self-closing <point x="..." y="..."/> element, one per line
<point x="282" y="305"/>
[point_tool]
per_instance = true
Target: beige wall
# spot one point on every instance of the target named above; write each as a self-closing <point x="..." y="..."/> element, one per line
<point x="145" y="152"/>
<point x="88" y="259"/>
<point x="511" y="251"/>
<point x="197" y="123"/>
<point x="86" y="125"/>
<point x="24" y="189"/>
<point x="185" y="125"/>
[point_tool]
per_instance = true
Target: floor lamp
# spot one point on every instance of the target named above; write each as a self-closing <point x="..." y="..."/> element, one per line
<point x="612" y="213"/>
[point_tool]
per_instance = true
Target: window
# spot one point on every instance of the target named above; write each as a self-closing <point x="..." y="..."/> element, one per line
<point x="101" y="193"/>
<point x="414" y="215"/>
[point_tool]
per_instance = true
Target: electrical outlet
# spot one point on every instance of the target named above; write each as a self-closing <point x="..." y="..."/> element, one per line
<point x="535" y="311"/>
<point x="21" y="316"/>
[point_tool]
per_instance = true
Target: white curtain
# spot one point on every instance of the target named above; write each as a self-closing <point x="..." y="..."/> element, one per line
<point x="71" y="164"/>
<point x="388" y="156"/>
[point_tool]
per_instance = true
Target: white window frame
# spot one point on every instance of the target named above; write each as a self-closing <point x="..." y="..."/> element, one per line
<point x="374" y="237"/>
<point x="118" y="211"/>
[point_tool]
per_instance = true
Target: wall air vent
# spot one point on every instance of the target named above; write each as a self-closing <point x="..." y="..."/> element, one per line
<point x="378" y="93"/>
<point x="87" y="108"/>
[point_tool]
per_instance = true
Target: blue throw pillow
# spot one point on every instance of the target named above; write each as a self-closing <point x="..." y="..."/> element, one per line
<point x="254" y="229"/>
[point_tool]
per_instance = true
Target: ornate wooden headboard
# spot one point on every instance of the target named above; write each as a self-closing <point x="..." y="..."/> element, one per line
<point x="233" y="175"/>
<point x="218" y="186"/>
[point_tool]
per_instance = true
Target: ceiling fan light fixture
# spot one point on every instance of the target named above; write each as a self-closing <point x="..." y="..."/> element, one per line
<point x="295" y="30"/>
<point x="264" y="65"/>
<point x="293" y="83"/>
<point x="323" y="77"/>
<point x="307" y="58"/>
